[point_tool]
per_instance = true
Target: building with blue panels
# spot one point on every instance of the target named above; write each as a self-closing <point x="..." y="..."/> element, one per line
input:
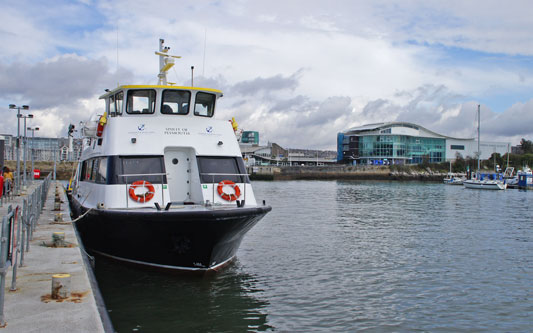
<point x="407" y="143"/>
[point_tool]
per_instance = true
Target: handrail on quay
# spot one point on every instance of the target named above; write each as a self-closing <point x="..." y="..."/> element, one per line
<point x="16" y="232"/>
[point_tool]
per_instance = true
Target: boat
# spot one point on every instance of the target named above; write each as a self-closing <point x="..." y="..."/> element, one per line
<point x="524" y="178"/>
<point x="160" y="182"/>
<point x="484" y="181"/>
<point x="453" y="179"/>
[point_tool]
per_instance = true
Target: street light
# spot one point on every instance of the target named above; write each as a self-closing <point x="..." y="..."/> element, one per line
<point x="25" y="148"/>
<point x="24" y="107"/>
<point x="32" y="129"/>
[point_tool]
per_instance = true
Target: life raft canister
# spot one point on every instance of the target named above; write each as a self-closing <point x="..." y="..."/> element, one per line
<point x="101" y="124"/>
<point x="228" y="196"/>
<point x="146" y="196"/>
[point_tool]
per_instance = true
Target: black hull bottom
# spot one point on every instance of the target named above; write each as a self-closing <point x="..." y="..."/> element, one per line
<point x="198" y="241"/>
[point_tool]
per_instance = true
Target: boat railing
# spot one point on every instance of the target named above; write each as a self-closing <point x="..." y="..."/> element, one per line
<point x="244" y="177"/>
<point x="126" y="183"/>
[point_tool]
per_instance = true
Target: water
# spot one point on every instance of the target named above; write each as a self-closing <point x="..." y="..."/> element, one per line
<point x="352" y="256"/>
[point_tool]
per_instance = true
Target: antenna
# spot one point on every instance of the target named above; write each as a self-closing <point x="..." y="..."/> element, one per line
<point x="117" y="57"/>
<point x="192" y="76"/>
<point x="205" y="42"/>
<point x="166" y="61"/>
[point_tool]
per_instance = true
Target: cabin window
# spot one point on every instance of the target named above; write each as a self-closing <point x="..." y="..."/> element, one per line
<point x="214" y="169"/>
<point x="140" y="101"/>
<point x="119" y="101"/>
<point x="128" y="169"/>
<point x="175" y="102"/>
<point x="111" y="106"/>
<point x="101" y="170"/>
<point x="204" y="104"/>
<point x="87" y="170"/>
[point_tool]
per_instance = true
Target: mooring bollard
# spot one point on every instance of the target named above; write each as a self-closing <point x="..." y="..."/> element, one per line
<point x="58" y="217"/>
<point x="60" y="286"/>
<point x="58" y="239"/>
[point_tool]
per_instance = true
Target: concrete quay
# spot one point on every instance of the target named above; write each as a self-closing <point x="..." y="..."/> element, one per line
<point x="30" y="308"/>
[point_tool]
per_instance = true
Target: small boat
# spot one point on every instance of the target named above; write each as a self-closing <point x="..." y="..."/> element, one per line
<point x="453" y="180"/>
<point x="160" y="182"/>
<point x="492" y="181"/>
<point x="482" y="181"/>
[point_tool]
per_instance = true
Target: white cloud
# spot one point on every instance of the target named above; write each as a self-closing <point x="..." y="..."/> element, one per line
<point x="297" y="71"/>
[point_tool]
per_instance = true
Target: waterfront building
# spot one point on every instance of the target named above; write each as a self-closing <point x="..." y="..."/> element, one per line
<point x="274" y="154"/>
<point x="44" y="149"/>
<point x="407" y="143"/>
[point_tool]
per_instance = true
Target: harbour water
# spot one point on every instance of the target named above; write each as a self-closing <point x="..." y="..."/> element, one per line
<point x="352" y="256"/>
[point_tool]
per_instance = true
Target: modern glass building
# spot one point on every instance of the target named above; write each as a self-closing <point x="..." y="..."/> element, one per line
<point x="406" y="143"/>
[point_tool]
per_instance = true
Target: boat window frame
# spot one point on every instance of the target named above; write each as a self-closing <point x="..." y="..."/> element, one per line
<point x="241" y="177"/>
<point x="118" y="108"/>
<point x="211" y="111"/>
<point x="151" y="106"/>
<point x="179" y="107"/>
<point x="111" y="105"/>
<point x="116" y="175"/>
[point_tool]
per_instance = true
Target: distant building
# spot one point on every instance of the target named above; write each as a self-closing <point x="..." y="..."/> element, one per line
<point x="250" y="137"/>
<point x="406" y="143"/>
<point x="43" y="149"/>
<point x="274" y="154"/>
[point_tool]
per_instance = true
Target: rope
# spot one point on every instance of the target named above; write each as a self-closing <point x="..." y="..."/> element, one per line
<point x="76" y="219"/>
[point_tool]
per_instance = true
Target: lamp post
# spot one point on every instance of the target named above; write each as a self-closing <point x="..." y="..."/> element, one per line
<point x="24" y="182"/>
<point x="32" y="129"/>
<point x="24" y="107"/>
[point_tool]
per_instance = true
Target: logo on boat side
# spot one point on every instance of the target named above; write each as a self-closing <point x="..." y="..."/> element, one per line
<point x="141" y="129"/>
<point x="209" y="129"/>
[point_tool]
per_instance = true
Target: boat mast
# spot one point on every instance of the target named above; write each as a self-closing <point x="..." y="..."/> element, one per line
<point x="478" y="132"/>
<point x="166" y="61"/>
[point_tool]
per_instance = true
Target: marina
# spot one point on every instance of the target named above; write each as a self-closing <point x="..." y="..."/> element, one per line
<point x="284" y="167"/>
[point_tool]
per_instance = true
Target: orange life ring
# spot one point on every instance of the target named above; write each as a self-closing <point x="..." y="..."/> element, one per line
<point x="146" y="196"/>
<point x="228" y="196"/>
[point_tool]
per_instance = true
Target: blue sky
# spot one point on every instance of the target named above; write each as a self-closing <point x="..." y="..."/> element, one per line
<point x="298" y="72"/>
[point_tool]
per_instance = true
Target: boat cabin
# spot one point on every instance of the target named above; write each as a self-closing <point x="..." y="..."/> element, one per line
<point x="163" y="100"/>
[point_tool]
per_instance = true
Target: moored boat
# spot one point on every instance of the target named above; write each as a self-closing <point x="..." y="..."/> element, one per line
<point x="160" y="182"/>
<point x="486" y="182"/>
<point x="481" y="181"/>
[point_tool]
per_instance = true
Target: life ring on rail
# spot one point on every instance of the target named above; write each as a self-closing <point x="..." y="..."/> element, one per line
<point x="228" y="196"/>
<point x="146" y="196"/>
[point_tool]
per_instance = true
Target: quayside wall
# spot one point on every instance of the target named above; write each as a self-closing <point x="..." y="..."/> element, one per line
<point x="342" y="172"/>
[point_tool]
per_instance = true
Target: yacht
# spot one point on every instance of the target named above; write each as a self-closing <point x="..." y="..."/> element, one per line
<point x="160" y="181"/>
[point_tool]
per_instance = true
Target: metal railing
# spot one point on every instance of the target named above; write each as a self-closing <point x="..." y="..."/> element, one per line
<point x="244" y="177"/>
<point x="17" y="230"/>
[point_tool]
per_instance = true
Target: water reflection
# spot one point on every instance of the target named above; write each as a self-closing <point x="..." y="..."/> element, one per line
<point x="139" y="300"/>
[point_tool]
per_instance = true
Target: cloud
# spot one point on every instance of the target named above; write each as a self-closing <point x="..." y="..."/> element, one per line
<point x="57" y="90"/>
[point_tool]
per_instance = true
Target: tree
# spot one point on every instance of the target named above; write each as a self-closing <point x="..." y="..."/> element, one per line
<point x="527" y="146"/>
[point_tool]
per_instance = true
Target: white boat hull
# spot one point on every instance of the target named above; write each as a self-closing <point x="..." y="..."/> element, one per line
<point x="484" y="184"/>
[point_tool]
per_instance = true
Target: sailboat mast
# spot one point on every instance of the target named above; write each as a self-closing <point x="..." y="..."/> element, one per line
<point x="478" y="135"/>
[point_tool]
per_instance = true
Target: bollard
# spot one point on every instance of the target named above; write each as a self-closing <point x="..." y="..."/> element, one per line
<point x="58" y="217"/>
<point x="57" y="205"/>
<point x="60" y="286"/>
<point x="58" y="239"/>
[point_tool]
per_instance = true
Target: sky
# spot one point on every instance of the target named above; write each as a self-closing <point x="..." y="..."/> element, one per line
<point x="297" y="71"/>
